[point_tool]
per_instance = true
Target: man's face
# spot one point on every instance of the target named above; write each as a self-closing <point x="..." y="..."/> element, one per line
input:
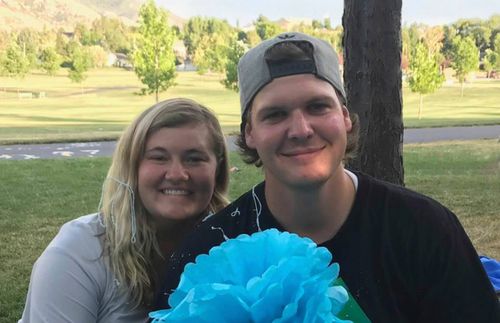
<point x="299" y="128"/>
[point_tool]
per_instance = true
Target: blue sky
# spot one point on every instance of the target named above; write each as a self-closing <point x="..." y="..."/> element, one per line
<point x="432" y="12"/>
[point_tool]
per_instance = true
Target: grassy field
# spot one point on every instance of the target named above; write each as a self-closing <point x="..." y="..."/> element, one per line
<point x="108" y="100"/>
<point x="37" y="196"/>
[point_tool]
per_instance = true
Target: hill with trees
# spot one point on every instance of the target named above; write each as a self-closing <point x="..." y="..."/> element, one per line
<point x="48" y="14"/>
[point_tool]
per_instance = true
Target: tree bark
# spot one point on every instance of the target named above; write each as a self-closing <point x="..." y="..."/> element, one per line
<point x="372" y="77"/>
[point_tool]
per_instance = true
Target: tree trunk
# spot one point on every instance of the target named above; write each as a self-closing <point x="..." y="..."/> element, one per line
<point x="372" y="75"/>
<point x="420" y="106"/>
<point x="156" y="95"/>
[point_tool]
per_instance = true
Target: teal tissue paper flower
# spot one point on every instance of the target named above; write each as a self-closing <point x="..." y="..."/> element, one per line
<point x="269" y="276"/>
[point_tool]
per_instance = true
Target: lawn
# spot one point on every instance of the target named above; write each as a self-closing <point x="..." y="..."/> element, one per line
<point x="107" y="100"/>
<point x="37" y="196"/>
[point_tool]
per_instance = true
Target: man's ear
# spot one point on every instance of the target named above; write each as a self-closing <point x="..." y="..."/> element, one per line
<point x="249" y="139"/>
<point x="347" y="119"/>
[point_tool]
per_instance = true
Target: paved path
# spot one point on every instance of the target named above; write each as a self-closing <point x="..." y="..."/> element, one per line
<point x="105" y="148"/>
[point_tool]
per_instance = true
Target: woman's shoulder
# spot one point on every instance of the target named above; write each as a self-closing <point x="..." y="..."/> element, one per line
<point x="76" y="252"/>
<point x="81" y="236"/>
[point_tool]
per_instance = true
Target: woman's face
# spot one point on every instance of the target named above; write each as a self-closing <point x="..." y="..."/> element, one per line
<point x="176" y="177"/>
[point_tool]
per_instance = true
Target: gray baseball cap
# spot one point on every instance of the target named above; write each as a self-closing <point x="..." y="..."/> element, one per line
<point x="255" y="70"/>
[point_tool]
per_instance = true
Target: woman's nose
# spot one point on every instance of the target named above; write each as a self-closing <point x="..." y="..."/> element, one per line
<point x="176" y="172"/>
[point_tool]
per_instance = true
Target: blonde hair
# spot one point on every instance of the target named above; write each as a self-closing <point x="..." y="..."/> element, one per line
<point x="130" y="237"/>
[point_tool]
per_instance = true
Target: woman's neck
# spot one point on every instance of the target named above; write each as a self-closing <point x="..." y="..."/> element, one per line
<point x="170" y="235"/>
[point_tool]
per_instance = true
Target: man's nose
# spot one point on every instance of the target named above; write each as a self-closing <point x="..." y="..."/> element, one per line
<point x="300" y="126"/>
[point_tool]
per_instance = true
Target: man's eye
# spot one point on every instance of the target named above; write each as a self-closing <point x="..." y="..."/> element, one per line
<point x="318" y="107"/>
<point x="274" y="116"/>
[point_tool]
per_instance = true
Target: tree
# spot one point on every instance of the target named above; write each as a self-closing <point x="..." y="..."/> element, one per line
<point x="207" y="40"/>
<point x="494" y="24"/>
<point x="15" y="62"/>
<point x="211" y="54"/>
<point x="491" y="62"/>
<point x="47" y="38"/>
<point x="316" y="24"/>
<point x="80" y="63"/>
<point x="50" y="61"/>
<point x="475" y="29"/>
<point x="109" y="33"/>
<point x="251" y="38"/>
<point x="83" y="35"/>
<point x="61" y="43"/>
<point x="327" y="23"/>
<point x="234" y="53"/>
<point x="154" y="58"/>
<point x="193" y="31"/>
<point x="67" y="51"/>
<point x="465" y="58"/>
<point x="425" y="76"/>
<point x="29" y="42"/>
<point x="5" y="39"/>
<point x="98" y="56"/>
<point x="433" y="39"/>
<point x="266" y="28"/>
<point x="410" y="36"/>
<point x="496" y="43"/>
<point x="372" y="75"/>
<point x="449" y="33"/>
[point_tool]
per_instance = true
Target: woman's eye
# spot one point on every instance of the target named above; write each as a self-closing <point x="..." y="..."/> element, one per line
<point x="195" y="159"/>
<point x="156" y="157"/>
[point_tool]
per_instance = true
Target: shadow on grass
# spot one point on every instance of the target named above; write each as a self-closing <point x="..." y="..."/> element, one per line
<point x="56" y="119"/>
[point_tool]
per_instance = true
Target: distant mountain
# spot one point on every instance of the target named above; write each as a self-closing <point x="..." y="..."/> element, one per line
<point x="37" y="14"/>
<point x="122" y="8"/>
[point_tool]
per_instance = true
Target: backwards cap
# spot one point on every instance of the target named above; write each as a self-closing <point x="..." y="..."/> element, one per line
<point x="255" y="71"/>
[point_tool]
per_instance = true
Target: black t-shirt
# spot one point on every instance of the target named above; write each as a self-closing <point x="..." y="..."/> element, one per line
<point x="403" y="256"/>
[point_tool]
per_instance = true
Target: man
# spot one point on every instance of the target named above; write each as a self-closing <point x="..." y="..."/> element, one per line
<point x="403" y="257"/>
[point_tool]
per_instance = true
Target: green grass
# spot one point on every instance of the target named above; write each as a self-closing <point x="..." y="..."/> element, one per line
<point x="38" y="196"/>
<point x="480" y="105"/>
<point x="465" y="176"/>
<point x="110" y="101"/>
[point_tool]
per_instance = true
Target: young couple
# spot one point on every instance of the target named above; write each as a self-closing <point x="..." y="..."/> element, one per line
<point x="403" y="256"/>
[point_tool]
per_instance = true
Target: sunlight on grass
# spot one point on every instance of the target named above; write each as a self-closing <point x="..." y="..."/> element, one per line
<point x="38" y="196"/>
<point x="479" y="105"/>
<point x="110" y="101"/>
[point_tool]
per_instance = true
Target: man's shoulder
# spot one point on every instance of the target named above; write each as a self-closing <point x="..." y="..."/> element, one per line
<point x="402" y="208"/>
<point x="395" y="194"/>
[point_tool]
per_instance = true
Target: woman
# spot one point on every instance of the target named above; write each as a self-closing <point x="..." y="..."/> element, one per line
<point x="169" y="170"/>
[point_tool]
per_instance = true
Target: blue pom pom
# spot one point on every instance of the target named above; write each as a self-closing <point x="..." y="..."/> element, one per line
<point x="269" y="276"/>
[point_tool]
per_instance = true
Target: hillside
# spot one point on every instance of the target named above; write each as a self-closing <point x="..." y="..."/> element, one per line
<point x="122" y="8"/>
<point x="37" y="14"/>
